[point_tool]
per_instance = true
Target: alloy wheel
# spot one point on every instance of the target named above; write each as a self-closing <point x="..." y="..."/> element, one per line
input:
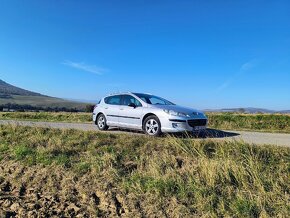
<point x="152" y="127"/>
<point x="101" y="122"/>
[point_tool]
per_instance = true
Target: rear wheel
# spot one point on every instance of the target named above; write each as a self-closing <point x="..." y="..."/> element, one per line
<point x="152" y="126"/>
<point x="102" y="122"/>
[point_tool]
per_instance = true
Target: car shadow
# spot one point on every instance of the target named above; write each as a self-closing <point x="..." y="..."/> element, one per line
<point x="208" y="133"/>
<point x="117" y="129"/>
<point x="215" y="133"/>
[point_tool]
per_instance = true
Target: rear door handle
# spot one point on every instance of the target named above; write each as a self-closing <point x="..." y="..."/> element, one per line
<point x="121" y="109"/>
<point x="106" y="108"/>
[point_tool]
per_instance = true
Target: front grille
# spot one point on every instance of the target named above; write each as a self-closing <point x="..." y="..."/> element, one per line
<point x="197" y="122"/>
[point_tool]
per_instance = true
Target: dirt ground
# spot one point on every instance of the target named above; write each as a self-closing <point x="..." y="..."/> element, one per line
<point x="53" y="192"/>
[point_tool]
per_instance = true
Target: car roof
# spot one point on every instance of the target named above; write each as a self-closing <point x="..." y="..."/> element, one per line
<point x="119" y="93"/>
<point x="124" y="93"/>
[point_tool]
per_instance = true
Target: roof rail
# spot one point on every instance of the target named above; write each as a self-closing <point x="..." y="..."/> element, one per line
<point x="118" y="93"/>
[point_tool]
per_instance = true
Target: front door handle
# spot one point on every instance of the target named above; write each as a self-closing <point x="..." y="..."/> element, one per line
<point x="106" y="108"/>
<point x="121" y="109"/>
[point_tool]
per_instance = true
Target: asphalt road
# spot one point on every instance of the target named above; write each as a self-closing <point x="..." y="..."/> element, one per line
<point x="258" y="138"/>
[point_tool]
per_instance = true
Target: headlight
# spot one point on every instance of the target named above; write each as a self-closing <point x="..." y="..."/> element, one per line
<point x="175" y="113"/>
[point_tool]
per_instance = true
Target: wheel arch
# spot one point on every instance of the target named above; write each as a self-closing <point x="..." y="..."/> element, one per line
<point x="147" y="115"/>
<point x="98" y="114"/>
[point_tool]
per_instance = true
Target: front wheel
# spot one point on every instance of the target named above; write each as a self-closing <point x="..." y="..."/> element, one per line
<point x="152" y="126"/>
<point x="102" y="122"/>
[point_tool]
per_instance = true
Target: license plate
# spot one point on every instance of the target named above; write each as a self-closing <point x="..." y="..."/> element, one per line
<point x="196" y="128"/>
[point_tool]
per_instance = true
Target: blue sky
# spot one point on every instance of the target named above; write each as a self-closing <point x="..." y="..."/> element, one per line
<point x="204" y="54"/>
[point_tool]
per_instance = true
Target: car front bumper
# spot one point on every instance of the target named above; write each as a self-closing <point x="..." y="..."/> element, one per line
<point x="183" y="124"/>
<point x="94" y="115"/>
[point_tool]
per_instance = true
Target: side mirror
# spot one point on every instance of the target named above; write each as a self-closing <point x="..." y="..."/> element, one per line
<point x="132" y="105"/>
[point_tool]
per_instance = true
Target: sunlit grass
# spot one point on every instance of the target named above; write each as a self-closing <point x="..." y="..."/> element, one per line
<point x="171" y="176"/>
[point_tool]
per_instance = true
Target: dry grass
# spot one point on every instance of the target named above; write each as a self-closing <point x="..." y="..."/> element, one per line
<point x="67" y="173"/>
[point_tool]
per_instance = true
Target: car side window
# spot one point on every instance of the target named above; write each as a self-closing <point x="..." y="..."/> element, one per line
<point x="157" y="101"/>
<point x="114" y="100"/>
<point x="145" y="100"/>
<point x="127" y="99"/>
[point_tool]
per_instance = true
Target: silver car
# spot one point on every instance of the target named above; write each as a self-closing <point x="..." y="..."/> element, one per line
<point x="146" y="112"/>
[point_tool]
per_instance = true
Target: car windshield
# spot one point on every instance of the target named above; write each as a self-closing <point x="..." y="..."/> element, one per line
<point x="151" y="99"/>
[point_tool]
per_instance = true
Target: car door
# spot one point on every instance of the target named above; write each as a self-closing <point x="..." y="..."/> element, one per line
<point x="112" y="109"/>
<point x="130" y="116"/>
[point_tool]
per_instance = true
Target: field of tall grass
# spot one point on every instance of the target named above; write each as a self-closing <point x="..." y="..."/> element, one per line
<point x="226" y="121"/>
<point x="257" y="122"/>
<point x="51" y="172"/>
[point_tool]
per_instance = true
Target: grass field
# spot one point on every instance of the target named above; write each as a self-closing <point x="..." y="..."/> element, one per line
<point x="48" y="116"/>
<point x="64" y="173"/>
<point x="256" y="122"/>
<point x="226" y="121"/>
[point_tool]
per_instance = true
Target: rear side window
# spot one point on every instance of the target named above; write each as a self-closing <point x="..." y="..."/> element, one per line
<point x="127" y="99"/>
<point x="114" y="100"/>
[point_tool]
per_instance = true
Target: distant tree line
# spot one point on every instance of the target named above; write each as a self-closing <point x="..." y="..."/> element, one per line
<point x="22" y="108"/>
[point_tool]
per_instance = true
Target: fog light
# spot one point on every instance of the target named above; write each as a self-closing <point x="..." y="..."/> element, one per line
<point x="174" y="125"/>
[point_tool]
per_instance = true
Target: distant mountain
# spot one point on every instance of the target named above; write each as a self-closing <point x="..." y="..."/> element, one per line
<point x="15" y="96"/>
<point x="285" y="112"/>
<point x="82" y="100"/>
<point x="7" y="89"/>
<point x="249" y="110"/>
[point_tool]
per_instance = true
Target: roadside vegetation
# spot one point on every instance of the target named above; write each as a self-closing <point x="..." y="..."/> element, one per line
<point x="48" y="116"/>
<point x="226" y="121"/>
<point x="66" y="173"/>
<point x="256" y="122"/>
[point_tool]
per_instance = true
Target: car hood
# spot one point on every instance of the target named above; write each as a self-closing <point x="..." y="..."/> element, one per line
<point x="177" y="108"/>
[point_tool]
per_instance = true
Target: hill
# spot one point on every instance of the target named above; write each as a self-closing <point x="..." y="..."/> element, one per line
<point x="18" y="98"/>
<point x="8" y="89"/>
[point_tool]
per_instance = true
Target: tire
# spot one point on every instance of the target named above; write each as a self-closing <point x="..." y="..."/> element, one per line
<point x="101" y="122"/>
<point x="152" y="126"/>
